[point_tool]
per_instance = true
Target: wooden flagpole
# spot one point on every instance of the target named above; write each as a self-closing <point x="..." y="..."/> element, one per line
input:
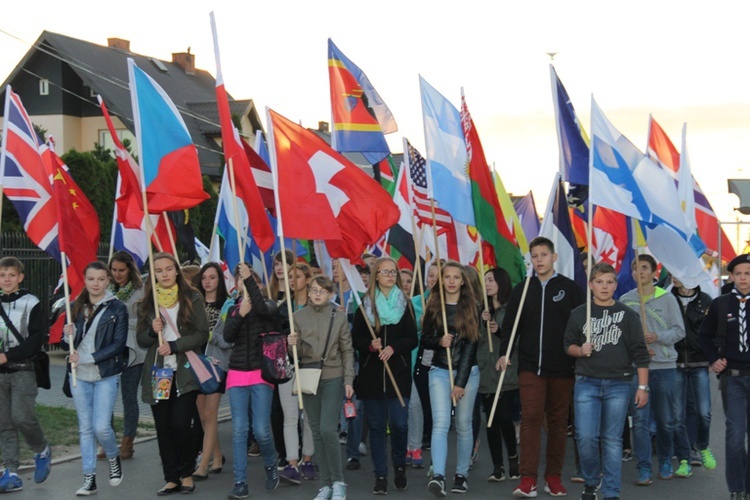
<point x="66" y="290"/>
<point x="152" y="272"/>
<point x="211" y="244"/>
<point x="484" y="288"/>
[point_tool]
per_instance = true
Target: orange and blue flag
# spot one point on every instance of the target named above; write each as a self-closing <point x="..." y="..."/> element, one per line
<point x="360" y="117"/>
<point x="168" y="158"/>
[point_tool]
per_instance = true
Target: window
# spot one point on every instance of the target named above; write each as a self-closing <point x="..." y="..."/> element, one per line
<point x="43" y="86"/>
<point x="105" y="139"/>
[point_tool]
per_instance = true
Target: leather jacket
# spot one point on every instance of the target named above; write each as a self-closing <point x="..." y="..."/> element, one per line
<point x="463" y="352"/>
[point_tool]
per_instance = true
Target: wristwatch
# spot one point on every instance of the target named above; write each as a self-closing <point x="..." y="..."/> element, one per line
<point x="643" y="388"/>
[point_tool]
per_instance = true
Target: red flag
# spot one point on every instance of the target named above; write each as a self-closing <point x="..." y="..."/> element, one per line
<point x="610" y="237"/>
<point x="324" y="196"/>
<point x="262" y="176"/>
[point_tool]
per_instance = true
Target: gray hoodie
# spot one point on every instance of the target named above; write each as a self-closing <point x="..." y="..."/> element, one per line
<point x="664" y="318"/>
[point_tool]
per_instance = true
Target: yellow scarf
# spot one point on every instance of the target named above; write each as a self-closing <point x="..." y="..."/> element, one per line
<point x="167" y="297"/>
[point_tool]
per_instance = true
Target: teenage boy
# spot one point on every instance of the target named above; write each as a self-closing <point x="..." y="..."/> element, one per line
<point x="665" y="328"/>
<point x="22" y="333"/>
<point x="545" y="371"/>
<point x="724" y="339"/>
<point x="604" y="371"/>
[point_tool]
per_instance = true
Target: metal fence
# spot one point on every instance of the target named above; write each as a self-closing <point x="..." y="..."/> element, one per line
<point x="42" y="273"/>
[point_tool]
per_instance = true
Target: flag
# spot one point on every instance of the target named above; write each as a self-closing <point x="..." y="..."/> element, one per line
<point x="387" y="174"/>
<point x="610" y="237"/>
<point x="528" y="218"/>
<point x="78" y="221"/>
<point x="322" y="195"/>
<point x="446" y="155"/>
<point x="360" y="116"/>
<point x="556" y="226"/>
<point x="133" y="241"/>
<point x="238" y="162"/>
<point x="227" y="224"/>
<point x="625" y="180"/>
<point x="574" y="149"/>
<point x="24" y="176"/>
<point x="401" y="236"/>
<point x="419" y="190"/>
<point x="512" y="217"/>
<point x="171" y="173"/>
<point x="662" y="151"/>
<point x="261" y="174"/>
<point x="488" y="215"/>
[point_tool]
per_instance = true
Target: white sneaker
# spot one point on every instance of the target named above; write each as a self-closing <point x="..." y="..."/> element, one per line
<point x="362" y="449"/>
<point x="324" y="493"/>
<point x="339" y="491"/>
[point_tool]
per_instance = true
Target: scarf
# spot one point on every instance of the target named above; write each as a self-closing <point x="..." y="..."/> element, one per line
<point x="123" y="293"/>
<point x="390" y="309"/>
<point x="742" y="299"/>
<point x="167" y="297"/>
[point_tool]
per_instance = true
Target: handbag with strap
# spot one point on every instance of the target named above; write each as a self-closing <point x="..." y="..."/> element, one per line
<point x="309" y="373"/>
<point x="40" y="360"/>
<point x="206" y="370"/>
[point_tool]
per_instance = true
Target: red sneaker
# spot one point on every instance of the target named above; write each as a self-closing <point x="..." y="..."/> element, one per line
<point x="554" y="486"/>
<point x="527" y="488"/>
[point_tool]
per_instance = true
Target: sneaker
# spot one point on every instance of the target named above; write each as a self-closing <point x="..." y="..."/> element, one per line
<point x="342" y="437"/>
<point x="684" y="470"/>
<point x="695" y="458"/>
<point x="399" y="478"/>
<point x="627" y="455"/>
<point x="527" y="488"/>
<point x="554" y="486"/>
<point x="324" y="493"/>
<point x="460" y="484"/>
<point x="577" y="476"/>
<point x="272" y="478"/>
<point x="339" y="491"/>
<point x="737" y="495"/>
<point x="240" y="491"/>
<point x="89" y="486"/>
<point x="407" y="462"/>
<point x="589" y="493"/>
<point x="290" y="475"/>
<point x="362" y="449"/>
<point x="436" y="486"/>
<point x="416" y="459"/>
<point x="254" y="450"/>
<point x="497" y="476"/>
<point x="307" y="471"/>
<point x="10" y="481"/>
<point x="707" y="459"/>
<point x="352" y="464"/>
<point x="513" y="472"/>
<point x="381" y="486"/>
<point x="644" y="477"/>
<point x="282" y="463"/>
<point x="115" y="471"/>
<point x="43" y="463"/>
<point x="665" y="469"/>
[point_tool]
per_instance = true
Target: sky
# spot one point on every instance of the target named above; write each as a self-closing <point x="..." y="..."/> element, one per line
<point x="679" y="61"/>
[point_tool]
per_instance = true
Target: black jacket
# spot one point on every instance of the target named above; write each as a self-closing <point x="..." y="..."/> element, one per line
<point x="689" y="352"/>
<point x="372" y="382"/>
<point x="541" y="328"/>
<point x="463" y="350"/>
<point x="244" y="333"/>
<point x="25" y="312"/>
<point x="111" y="336"/>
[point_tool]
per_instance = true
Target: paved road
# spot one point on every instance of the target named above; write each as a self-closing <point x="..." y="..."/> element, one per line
<point x="143" y="477"/>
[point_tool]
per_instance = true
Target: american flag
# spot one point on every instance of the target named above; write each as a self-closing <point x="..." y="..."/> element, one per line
<point x="416" y="165"/>
<point x="24" y="176"/>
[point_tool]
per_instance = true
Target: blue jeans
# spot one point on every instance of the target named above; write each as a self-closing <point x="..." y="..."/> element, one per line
<point x="601" y="406"/>
<point x="737" y="411"/>
<point x="260" y="396"/>
<point x="440" y="399"/>
<point x="661" y="383"/>
<point x="130" y="385"/>
<point x="95" y="402"/>
<point x="381" y="412"/>
<point x="692" y="388"/>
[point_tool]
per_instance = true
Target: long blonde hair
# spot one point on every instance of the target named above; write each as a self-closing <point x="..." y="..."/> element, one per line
<point x="373" y="286"/>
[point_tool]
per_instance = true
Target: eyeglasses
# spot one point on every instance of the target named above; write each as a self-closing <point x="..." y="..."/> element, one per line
<point x="318" y="291"/>
<point x="388" y="272"/>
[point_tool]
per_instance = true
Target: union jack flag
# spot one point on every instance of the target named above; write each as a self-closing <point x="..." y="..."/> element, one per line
<point x="24" y="177"/>
<point x="416" y="166"/>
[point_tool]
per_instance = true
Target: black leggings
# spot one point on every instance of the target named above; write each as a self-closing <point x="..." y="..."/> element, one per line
<point x="502" y="429"/>
<point x="174" y="435"/>
<point x="422" y="383"/>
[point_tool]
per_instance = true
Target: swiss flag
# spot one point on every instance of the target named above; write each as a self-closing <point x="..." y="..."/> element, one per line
<point x="323" y="196"/>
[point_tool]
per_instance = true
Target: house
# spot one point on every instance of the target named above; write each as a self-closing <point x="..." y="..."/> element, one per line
<point x="59" y="78"/>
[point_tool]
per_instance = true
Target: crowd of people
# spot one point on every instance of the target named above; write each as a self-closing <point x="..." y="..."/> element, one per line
<point x="392" y="367"/>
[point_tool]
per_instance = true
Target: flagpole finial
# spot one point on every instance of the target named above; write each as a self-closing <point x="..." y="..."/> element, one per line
<point x="551" y="55"/>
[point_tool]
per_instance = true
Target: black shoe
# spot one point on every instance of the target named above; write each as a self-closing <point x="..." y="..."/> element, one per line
<point x="460" y="485"/>
<point x="399" y="480"/>
<point x="589" y="493"/>
<point x="89" y="486"/>
<point x="218" y="469"/>
<point x="187" y="489"/>
<point x="513" y="472"/>
<point x="168" y="491"/>
<point x="272" y="478"/>
<point x="115" y="471"/>
<point x="426" y="443"/>
<point x="497" y="475"/>
<point x="381" y="486"/>
<point x="436" y="486"/>
<point x="352" y="464"/>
